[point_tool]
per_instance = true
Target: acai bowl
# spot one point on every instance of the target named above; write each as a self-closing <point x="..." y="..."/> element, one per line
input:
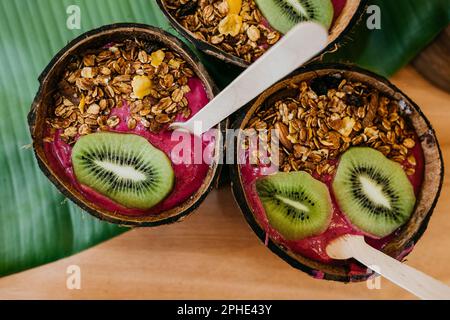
<point x="240" y="31"/>
<point x="100" y="126"/>
<point x="354" y="156"/>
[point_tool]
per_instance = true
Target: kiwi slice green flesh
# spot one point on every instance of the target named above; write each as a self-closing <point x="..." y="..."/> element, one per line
<point x="126" y="168"/>
<point x="283" y="15"/>
<point x="373" y="191"/>
<point x="297" y="205"/>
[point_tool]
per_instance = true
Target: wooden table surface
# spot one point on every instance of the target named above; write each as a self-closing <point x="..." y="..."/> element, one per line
<point x="215" y="255"/>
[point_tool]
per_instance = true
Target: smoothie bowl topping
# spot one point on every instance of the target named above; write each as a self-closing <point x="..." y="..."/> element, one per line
<point x="100" y="125"/>
<point x="355" y="156"/>
<point x="240" y="31"/>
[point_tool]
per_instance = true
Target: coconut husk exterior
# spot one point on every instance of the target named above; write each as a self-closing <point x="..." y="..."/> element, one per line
<point x="344" y="23"/>
<point x="48" y="84"/>
<point x="407" y="235"/>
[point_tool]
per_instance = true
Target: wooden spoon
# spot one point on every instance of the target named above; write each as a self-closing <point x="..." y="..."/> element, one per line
<point x="410" y="279"/>
<point x="297" y="47"/>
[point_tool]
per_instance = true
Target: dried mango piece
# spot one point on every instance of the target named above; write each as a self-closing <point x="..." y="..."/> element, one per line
<point x="230" y="25"/>
<point x="82" y="104"/>
<point x="157" y="58"/>
<point x="234" y="6"/>
<point x="142" y="86"/>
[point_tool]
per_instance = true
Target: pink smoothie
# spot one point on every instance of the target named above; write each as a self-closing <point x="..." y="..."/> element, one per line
<point x="338" y="5"/>
<point x="188" y="177"/>
<point x="314" y="247"/>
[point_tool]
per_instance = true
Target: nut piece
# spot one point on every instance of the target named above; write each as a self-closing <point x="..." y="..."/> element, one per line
<point x="253" y="33"/>
<point x="283" y="133"/>
<point x="372" y="111"/>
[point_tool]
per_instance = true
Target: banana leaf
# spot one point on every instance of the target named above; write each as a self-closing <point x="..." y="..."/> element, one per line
<point x="407" y="26"/>
<point x="37" y="224"/>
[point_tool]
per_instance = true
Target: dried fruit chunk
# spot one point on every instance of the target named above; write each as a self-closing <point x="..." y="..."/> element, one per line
<point x="234" y="6"/>
<point x="157" y="58"/>
<point x="142" y="86"/>
<point x="230" y="25"/>
<point x="82" y="104"/>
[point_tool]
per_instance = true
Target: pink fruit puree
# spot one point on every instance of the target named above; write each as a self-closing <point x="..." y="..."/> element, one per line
<point x="338" y="7"/>
<point x="188" y="177"/>
<point x="315" y="247"/>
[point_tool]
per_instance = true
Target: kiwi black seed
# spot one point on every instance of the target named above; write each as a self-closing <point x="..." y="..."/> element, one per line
<point x="373" y="191"/>
<point x="297" y="205"/>
<point x="126" y="168"/>
<point x="283" y="15"/>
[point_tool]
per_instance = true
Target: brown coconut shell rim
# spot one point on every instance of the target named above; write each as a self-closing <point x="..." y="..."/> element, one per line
<point x="49" y="76"/>
<point x="410" y="233"/>
<point x="342" y="26"/>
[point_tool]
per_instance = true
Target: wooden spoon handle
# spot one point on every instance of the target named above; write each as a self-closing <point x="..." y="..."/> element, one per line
<point x="410" y="279"/>
<point x="298" y="46"/>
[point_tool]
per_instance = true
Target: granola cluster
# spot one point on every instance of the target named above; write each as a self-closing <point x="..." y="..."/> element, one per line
<point x="234" y="26"/>
<point x="150" y="80"/>
<point x="328" y="116"/>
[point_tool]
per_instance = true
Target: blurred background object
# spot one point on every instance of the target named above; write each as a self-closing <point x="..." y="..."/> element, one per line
<point x="434" y="62"/>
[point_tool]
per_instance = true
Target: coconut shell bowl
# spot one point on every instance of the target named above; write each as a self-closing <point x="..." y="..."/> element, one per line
<point x="237" y="31"/>
<point x="320" y="113"/>
<point x="125" y="80"/>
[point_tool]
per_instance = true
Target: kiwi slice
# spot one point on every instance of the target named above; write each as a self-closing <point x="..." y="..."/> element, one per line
<point x="373" y="191"/>
<point x="126" y="168"/>
<point x="297" y="205"/>
<point x="283" y="15"/>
